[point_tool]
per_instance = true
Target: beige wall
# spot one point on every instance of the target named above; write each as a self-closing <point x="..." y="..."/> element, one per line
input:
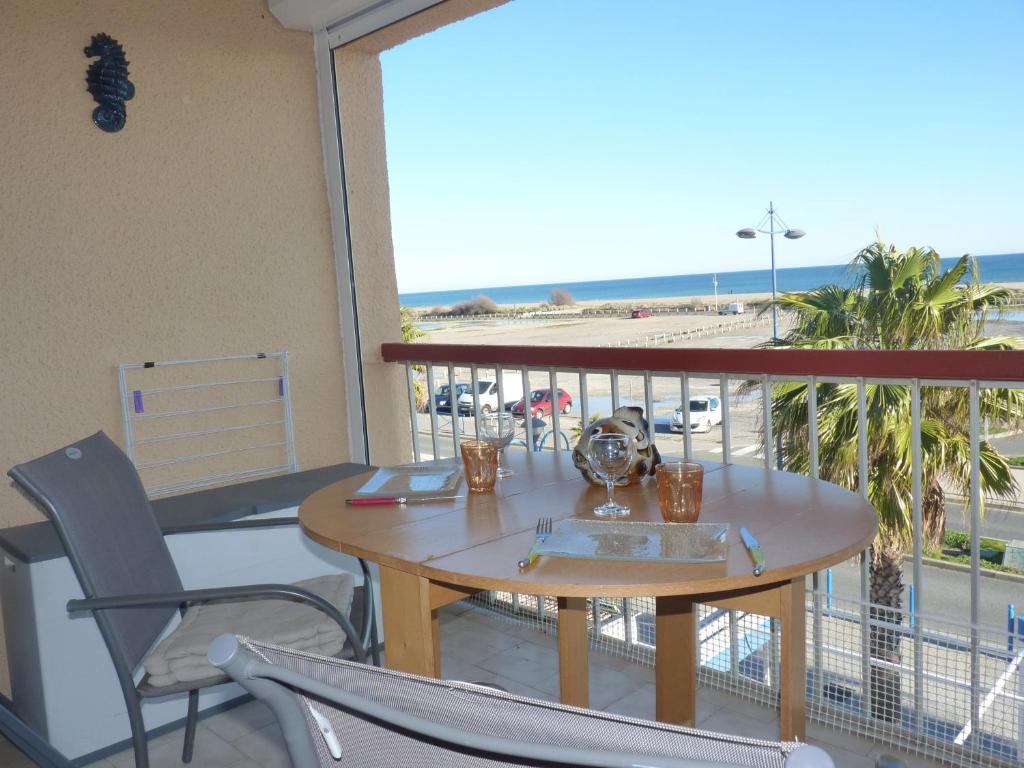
<point x="200" y="229"/>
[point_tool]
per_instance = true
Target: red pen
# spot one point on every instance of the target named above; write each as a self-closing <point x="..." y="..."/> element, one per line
<point x="373" y="500"/>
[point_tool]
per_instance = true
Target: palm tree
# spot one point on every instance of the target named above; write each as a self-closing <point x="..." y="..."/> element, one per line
<point x="411" y="332"/>
<point x="897" y="300"/>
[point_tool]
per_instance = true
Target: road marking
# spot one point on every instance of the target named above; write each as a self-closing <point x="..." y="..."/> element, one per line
<point x="746" y="450"/>
<point x="991" y="696"/>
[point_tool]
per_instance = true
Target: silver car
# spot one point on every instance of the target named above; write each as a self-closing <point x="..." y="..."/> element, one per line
<point x="705" y="413"/>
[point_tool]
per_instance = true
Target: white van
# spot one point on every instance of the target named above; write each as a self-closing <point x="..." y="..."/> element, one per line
<point x="511" y="391"/>
<point x="735" y="308"/>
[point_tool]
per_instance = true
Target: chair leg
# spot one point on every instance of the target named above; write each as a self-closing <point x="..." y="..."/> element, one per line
<point x="138" y="725"/>
<point x="190" y="726"/>
<point x="374" y="644"/>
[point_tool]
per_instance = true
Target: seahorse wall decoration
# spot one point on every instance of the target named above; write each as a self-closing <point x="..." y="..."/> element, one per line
<point x="108" y="82"/>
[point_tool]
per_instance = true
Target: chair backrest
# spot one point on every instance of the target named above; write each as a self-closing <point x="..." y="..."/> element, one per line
<point x="377" y="716"/>
<point x="94" y="497"/>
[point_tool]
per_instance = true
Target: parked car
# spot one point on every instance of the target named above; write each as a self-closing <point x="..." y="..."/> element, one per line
<point x="705" y="413"/>
<point x="642" y="312"/>
<point x="732" y="308"/>
<point x="442" y="400"/>
<point x="540" y="403"/>
<point x="487" y="389"/>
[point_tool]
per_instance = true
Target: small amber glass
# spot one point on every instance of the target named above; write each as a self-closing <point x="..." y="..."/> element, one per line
<point x="680" y="488"/>
<point x="480" y="458"/>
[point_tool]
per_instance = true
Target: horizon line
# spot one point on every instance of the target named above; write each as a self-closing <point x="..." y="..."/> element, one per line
<point x="677" y="274"/>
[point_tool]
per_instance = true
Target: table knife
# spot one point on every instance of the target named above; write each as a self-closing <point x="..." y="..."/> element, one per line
<point x="754" y="549"/>
<point x="367" y="501"/>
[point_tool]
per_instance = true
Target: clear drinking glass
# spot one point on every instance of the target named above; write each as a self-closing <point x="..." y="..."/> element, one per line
<point x="499" y="429"/>
<point x="609" y="457"/>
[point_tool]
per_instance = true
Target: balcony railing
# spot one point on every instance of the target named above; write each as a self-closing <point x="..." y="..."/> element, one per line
<point x="959" y="671"/>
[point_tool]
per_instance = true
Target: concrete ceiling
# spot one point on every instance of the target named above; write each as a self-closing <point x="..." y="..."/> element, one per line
<point x="344" y="20"/>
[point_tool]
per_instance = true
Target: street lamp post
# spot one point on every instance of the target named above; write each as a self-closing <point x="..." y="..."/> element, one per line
<point x="772" y="220"/>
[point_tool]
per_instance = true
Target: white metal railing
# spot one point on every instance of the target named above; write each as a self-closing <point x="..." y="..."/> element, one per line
<point x="982" y="696"/>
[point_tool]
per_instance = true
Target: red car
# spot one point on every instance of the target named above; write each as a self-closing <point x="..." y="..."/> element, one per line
<point x="642" y="312"/>
<point x="540" y="403"/>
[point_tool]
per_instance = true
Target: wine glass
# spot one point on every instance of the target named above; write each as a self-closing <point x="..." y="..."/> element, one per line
<point x="499" y="428"/>
<point x="609" y="456"/>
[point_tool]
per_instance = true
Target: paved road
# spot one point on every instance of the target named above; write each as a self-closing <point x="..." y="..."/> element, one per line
<point x="1011" y="445"/>
<point x="999" y="522"/>
<point x="945" y="594"/>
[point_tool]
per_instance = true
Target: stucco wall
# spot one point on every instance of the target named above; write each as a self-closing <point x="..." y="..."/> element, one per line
<point x="200" y="229"/>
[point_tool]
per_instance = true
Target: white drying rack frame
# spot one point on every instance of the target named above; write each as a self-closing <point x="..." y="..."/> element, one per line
<point x="133" y="411"/>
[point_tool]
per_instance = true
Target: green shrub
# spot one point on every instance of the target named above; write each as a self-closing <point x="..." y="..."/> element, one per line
<point x="957" y="540"/>
<point x="481" y="305"/>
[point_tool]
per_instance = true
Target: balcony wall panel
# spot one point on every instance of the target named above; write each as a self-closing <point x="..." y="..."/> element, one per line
<point x="201" y="229"/>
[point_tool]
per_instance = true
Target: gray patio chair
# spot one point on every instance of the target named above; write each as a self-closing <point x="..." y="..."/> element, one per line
<point x="335" y="713"/>
<point x="94" y="497"/>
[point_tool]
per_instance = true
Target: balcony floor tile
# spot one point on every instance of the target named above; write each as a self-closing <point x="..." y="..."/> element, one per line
<point x="480" y="647"/>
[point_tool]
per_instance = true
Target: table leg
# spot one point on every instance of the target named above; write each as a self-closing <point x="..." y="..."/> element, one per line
<point x="675" y="661"/>
<point x="793" y="680"/>
<point x="411" y="642"/>
<point x="573" y="650"/>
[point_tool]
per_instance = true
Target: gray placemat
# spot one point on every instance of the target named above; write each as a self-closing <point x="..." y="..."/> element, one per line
<point x="624" y="540"/>
<point x="411" y="482"/>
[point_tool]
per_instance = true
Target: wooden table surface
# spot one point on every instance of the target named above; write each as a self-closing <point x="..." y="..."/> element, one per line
<point x="803" y="525"/>
<point x="437" y="552"/>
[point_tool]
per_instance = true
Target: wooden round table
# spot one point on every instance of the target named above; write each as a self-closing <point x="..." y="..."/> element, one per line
<point x="434" y="553"/>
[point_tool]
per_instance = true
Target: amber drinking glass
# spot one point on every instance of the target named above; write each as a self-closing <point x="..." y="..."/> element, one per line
<point x="480" y="458"/>
<point x="680" y="488"/>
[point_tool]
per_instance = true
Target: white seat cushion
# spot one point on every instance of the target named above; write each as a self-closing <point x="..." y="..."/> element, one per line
<point x="181" y="656"/>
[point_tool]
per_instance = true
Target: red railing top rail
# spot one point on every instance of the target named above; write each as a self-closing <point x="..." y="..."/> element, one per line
<point x="954" y="365"/>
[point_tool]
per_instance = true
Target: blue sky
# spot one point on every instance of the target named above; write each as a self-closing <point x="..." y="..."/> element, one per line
<point x="553" y="140"/>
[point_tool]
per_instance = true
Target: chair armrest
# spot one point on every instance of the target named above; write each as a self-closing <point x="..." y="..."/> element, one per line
<point x="230" y="525"/>
<point x="273" y="591"/>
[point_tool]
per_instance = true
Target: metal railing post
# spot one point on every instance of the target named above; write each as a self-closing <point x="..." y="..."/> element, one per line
<point x="769" y="432"/>
<point x="627" y="621"/>
<point x="456" y="415"/>
<point x="723" y="393"/>
<point x="687" y="433"/>
<point x="556" y="410"/>
<point x="413" y="413"/>
<point x="734" y="646"/>
<point x="649" y="404"/>
<point x="432" y="406"/>
<point x="975" y="433"/>
<point x="916" y="471"/>
<point x="865" y="574"/>
<point x="817" y="632"/>
<point x="527" y="416"/>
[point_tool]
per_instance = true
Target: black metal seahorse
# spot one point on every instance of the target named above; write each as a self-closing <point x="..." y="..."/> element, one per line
<point x="108" y="82"/>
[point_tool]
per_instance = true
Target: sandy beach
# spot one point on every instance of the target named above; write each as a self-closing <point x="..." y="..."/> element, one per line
<point x="698" y="325"/>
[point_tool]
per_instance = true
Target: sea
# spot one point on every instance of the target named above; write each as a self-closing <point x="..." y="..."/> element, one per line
<point x="1000" y="268"/>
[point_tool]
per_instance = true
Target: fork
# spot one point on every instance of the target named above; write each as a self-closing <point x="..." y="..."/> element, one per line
<point x="543" y="531"/>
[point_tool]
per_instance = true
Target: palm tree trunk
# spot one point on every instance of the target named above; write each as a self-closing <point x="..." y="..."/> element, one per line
<point x="933" y="514"/>
<point x="886" y="573"/>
